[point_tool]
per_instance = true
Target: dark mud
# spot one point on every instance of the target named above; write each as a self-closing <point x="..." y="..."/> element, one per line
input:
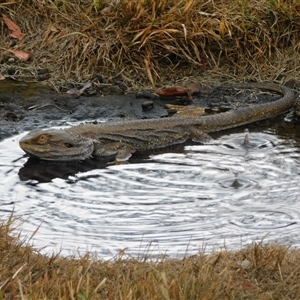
<point x="25" y="106"/>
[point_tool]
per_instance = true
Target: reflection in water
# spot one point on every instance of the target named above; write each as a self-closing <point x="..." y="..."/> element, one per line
<point x="224" y="192"/>
<point x="45" y="171"/>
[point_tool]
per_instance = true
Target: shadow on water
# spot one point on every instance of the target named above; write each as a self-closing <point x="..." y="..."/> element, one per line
<point x="44" y="171"/>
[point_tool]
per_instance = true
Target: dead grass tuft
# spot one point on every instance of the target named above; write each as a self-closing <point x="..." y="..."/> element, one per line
<point x="146" y="42"/>
<point x="256" y="272"/>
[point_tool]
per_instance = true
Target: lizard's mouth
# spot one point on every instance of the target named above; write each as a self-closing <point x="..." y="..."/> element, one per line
<point x="44" y="153"/>
<point x="49" y="152"/>
<point x="30" y="149"/>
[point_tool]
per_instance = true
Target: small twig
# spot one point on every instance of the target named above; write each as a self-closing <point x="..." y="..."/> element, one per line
<point x="45" y="105"/>
<point x="13" y="277"/>
<point x="21" y="290"/>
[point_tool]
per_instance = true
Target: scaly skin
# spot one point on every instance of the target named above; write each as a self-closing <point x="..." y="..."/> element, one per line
<point x="122" y="138"/>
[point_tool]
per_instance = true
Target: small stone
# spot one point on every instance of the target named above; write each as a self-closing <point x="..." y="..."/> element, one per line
<point x="145" y="95"/>
<point x="246" y="264"/>
<point x="147" y="105"/>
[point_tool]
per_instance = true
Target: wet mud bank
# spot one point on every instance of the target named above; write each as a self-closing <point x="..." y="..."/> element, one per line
<point x="26" y="106"/>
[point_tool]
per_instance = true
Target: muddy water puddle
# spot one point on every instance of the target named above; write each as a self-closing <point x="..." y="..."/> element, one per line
<point x="222" y="194"/>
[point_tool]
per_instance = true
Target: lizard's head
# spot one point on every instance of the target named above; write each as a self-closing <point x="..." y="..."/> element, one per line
<point x="56" y="145"/>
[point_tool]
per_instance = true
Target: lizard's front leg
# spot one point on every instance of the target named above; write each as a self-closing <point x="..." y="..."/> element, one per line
<point x="198" y="136"/>
<point x="121" y="151"/>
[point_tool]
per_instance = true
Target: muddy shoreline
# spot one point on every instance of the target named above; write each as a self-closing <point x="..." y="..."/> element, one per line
<point x="26" y="106"/>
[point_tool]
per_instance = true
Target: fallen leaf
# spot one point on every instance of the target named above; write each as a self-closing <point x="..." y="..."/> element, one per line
<point x="16" y="31"/>
<point x="21" y="54"/>
<point x="172" y="92"/>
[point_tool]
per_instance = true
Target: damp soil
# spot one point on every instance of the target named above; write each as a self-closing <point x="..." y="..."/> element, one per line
<point x="26" y="106"/>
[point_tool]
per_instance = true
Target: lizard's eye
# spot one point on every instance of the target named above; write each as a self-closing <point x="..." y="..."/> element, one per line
<point x="42" y="139"/>
<point x="68" y="145"/>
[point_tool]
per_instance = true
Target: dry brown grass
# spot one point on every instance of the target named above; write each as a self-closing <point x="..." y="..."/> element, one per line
<point x="151" y="42"/>
<point x="257" y="272"/>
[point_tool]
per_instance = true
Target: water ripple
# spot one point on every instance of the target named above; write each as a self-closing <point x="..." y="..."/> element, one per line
<point x="222" y="193"/>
